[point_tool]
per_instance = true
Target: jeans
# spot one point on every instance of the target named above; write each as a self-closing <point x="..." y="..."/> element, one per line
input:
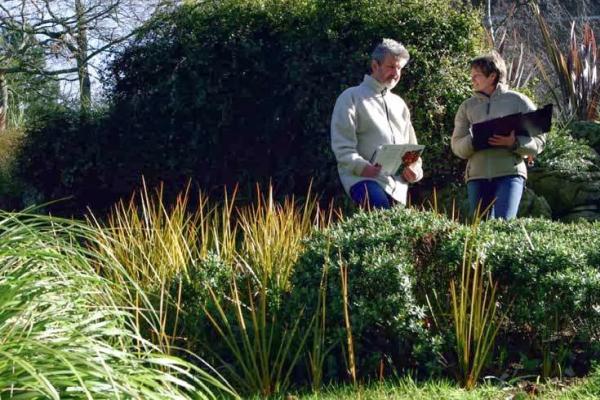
<point x="505" y="190"/>
<point x="370" y="195"/>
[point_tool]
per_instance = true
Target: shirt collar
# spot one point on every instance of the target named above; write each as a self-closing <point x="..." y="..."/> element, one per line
<point x="374" y="84"/>
<point x="500" y="88"/>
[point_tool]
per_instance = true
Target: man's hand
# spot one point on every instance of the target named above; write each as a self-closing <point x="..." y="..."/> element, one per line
<point x="503" y="141"/>
<point x="371" y="171"/>
<point x="408" y="174"/>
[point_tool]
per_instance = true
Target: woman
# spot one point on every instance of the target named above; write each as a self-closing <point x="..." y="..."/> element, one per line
<point x="496" y="175"/>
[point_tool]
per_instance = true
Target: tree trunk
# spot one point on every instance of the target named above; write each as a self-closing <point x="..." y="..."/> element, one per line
<point x="4" y="100"/>
<point x="488" y="21"/>
<point x="85" y="87"/>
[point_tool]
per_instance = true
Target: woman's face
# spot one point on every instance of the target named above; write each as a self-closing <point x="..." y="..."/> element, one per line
<point x="482" y="83"/>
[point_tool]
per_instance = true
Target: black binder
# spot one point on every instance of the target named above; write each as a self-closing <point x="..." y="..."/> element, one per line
<point x="539" y="121"/>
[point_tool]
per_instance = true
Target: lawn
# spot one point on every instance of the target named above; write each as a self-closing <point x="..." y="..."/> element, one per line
<point x="406" y="388"/>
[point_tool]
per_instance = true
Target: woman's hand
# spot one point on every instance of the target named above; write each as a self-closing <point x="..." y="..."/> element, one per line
<point x="503" y="141"/>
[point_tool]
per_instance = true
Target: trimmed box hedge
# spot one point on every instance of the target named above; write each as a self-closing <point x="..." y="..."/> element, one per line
<point x="548" y="276"/>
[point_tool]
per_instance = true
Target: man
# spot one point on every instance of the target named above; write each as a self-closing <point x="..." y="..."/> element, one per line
<point x="367" y="116"/>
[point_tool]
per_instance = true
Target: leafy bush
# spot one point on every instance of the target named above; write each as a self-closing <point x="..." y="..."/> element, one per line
<point x="64" y="155"/>
<point x="383" y="252"/>
<point x="10" y="187"/>
<point x="546" y="272"/>
<point x="588" y="131"/>
<point x="245" y="89"/>
<point x="563" y="152"/>
<point x="240" y="91"/>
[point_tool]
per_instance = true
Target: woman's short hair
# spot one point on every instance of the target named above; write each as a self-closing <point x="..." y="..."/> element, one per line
<point x="489" y="63"/>
<point x="390" y="46"/>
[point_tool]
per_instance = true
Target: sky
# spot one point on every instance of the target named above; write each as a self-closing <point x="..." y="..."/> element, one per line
<point x="108" y="20"/>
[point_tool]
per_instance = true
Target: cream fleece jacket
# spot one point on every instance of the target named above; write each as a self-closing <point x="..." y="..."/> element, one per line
<point x="493" y="162"/>
<point x="365" y="117"/>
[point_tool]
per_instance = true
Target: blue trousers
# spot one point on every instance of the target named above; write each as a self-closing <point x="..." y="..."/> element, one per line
<point x="369" y="194"/>
<point x="502" y="193"/>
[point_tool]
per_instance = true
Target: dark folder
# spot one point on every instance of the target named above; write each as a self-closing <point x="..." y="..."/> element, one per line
<point x="537" y="121"/>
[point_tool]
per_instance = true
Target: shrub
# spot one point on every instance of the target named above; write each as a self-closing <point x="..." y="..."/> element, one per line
<point x="383" y="252"/>
<point x="245" y="89"/>
<point x="64" y="155"/>
<point x="588" y="131"/>
<point x="397" y="259"/>
<point x="575" y="70"/>
<point x="215" y="275"/>
<point x="564" y="152"/>
<point x="10" y="187"/>
<point x="241" y="91"/>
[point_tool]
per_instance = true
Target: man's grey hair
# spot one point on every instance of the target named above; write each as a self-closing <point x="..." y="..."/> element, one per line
<point x="390" y="46"/>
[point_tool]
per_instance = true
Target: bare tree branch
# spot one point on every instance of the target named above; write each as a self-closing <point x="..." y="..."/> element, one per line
<point x="70" y="33"/>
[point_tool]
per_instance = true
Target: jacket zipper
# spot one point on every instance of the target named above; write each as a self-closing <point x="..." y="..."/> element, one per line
<point x="487" y="162"/>
<point x="387" y="114"/>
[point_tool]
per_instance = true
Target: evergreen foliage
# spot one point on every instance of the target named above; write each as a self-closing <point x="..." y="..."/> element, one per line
<point x="400" y="261"/>
<point x="241" y="91"/>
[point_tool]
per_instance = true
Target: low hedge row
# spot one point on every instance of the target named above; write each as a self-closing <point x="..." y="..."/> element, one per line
<point x="547" y="272"/>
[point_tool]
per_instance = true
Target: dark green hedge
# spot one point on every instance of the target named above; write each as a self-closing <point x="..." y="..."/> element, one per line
<point x="239" y="91"/>
<point x="65" y="156"/>
<point x="548" y="272"/>
<point x="587" y="131"/>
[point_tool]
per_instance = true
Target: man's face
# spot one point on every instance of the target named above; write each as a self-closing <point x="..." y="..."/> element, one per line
<point x="482" y="83"/>
<point x="387" y="72"/>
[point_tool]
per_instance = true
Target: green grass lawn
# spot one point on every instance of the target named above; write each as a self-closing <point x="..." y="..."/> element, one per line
<point x="406" y="388"/>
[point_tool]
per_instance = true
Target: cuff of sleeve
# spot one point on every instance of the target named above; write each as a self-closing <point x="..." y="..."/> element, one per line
<point x="418" y="170"/>
<point x="359" y="166"/>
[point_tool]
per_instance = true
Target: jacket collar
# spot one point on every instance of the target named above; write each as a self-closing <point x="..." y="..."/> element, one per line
<point x="374" y="85"/>
<point x="500" y="89"/>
